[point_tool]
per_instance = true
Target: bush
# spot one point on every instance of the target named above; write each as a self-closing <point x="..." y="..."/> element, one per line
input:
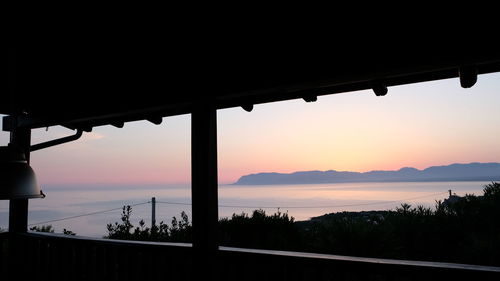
<point x="463" y="230"/>
<point x="179" y="231"/>
<point x="43" y="228"/>
<point x="50" y="229"/>
<point x="259" y="230"/>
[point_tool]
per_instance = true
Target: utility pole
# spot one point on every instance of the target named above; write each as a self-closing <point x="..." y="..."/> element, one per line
<point x="153" y="212"/>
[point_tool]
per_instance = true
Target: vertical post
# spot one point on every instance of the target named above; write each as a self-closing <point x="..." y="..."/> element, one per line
<point x="153" y="212"/>
<point x="18" y="208"/>
<point x="204" y="187"/>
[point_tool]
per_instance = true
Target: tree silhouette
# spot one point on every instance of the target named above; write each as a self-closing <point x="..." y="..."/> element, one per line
<point x="464" y="230"/>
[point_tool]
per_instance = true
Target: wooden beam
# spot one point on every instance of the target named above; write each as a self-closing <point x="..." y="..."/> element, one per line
<point x="204" y="194"/>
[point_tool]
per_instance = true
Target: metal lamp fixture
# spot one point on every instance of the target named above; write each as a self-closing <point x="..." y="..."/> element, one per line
<point x="17" y="178"/>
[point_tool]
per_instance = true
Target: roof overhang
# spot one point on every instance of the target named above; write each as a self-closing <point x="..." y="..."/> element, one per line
<point x="83" y="85"/>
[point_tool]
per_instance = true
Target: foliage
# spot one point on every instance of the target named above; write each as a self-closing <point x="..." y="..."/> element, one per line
<point x="68" y="232"/>
<point x="43" y="228"/>
<point x="464" y="230"/>
<point x="179" y="231"/>
<point x="349" y="233"/>
<point x="492" y="191"/>
<point x="50" y="229"/>
<point x="121" y="230"/>
<point x="259" y="230"/>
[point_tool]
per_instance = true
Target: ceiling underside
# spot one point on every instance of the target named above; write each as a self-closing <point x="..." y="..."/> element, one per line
<point x="82" y="85"/>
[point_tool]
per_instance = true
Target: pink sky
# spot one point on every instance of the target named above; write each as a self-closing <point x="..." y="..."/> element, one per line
<point x="419" y="125"/>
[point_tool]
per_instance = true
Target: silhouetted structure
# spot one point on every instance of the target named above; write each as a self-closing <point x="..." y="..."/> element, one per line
<point x="452" y="198"/>
<point x="80" y="85"/>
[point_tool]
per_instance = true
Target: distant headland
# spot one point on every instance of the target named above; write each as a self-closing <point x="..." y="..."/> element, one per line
<point x="453" y="172"/>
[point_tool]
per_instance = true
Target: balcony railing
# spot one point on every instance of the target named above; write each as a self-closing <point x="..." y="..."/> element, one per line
<point x="40" y="256"/>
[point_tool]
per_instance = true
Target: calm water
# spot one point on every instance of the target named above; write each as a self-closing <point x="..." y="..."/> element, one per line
<point x="300" y="201"/>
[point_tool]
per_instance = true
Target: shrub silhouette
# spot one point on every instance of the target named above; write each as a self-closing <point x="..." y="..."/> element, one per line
<point x="259" y="230"/>
<point x="43" y="228"/>
<point x="179" y="231"/>
<point x="50" y="229"/>
<point x="466" y="230"/>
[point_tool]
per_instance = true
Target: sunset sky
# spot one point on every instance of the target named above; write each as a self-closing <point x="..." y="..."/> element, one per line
<point x="418" y="125"/>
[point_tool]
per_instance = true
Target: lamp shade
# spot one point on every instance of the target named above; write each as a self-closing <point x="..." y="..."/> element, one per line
<point x="17" y="178"/>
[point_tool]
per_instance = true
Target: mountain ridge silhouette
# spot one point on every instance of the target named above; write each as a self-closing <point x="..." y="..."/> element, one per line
<point x="454" y="172"/>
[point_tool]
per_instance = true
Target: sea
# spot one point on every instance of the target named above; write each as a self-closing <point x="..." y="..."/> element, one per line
<point x="86" y="210"/>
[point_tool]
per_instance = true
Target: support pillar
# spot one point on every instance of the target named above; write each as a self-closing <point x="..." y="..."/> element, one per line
<point x="18" y="208"/>
<point x="204" y="196"/>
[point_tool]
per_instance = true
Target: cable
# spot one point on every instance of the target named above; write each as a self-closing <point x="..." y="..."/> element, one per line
<point x="174" y="203"/>
<point x="87" y="214"/>
<point x="241" y="206"/>
<point x="331" y="206"/>
<point x="309" y="207"/>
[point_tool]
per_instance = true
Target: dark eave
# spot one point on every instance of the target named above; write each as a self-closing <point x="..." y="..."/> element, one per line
<point x="87" y="85"/>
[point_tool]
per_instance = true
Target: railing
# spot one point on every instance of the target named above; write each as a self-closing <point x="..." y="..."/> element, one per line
<point x="41" y="256"/>
<point x="61" y="257"/>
